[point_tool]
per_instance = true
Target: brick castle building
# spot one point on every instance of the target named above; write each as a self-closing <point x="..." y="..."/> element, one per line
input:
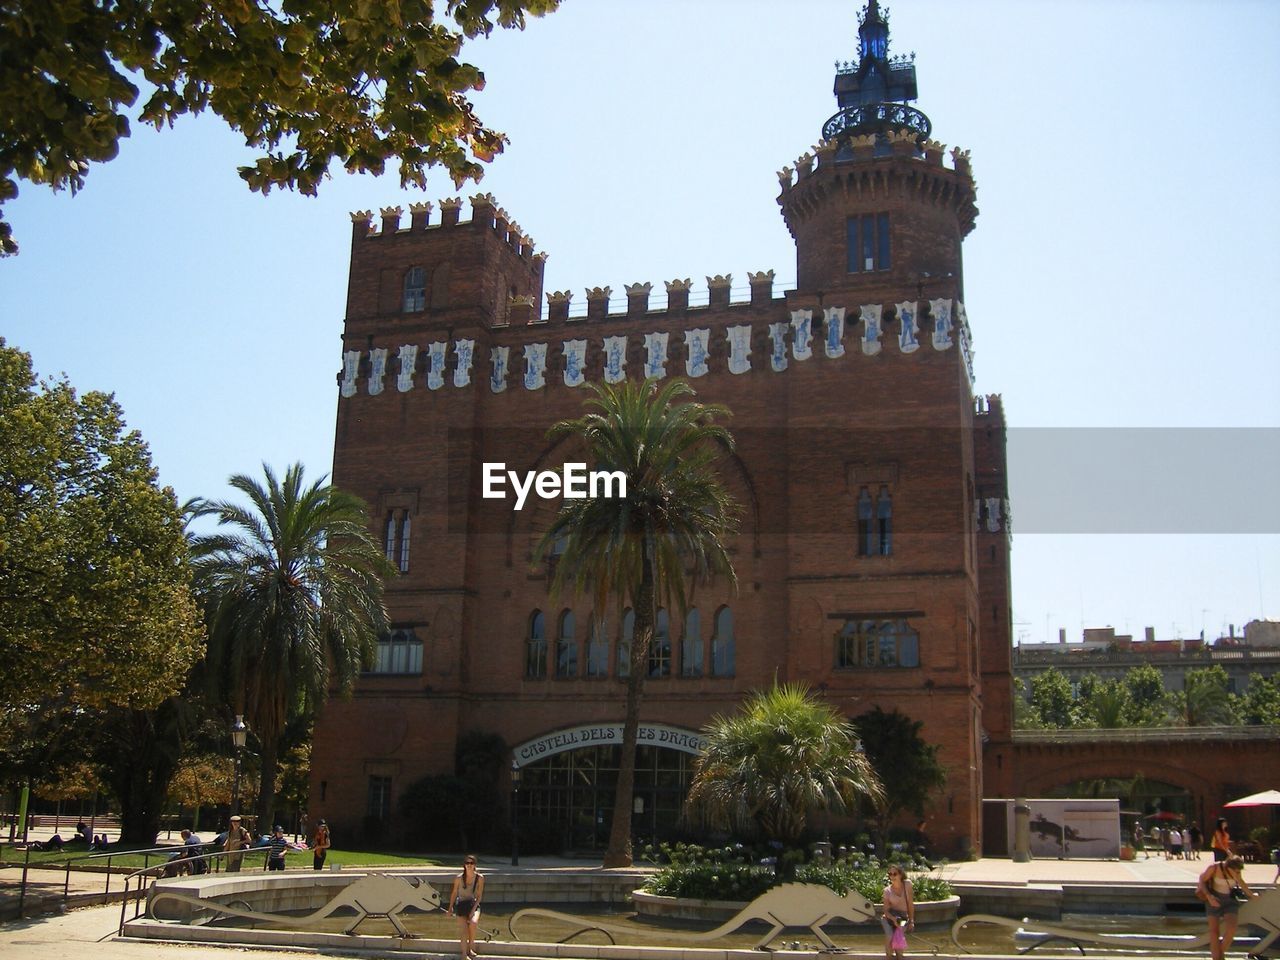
<point x="873" y="554"/>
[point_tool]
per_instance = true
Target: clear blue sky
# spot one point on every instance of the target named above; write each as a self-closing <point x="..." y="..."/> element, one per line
<point x="1122" y="273"/>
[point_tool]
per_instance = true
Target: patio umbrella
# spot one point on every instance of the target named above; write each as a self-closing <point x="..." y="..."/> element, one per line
<point x="1166" y="815"/>
<point x="1267" y="798"/>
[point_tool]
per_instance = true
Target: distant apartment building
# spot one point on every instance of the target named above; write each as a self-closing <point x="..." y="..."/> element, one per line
<point x="1107" y="654"/>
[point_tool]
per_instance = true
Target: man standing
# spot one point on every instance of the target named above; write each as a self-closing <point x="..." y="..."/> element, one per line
<point x="278" y="844"/>
<point x="320" y="844"/>
<point x="237" y="841"/>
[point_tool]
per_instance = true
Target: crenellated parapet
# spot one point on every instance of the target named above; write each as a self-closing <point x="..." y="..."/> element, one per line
<point x="897" y="166"/>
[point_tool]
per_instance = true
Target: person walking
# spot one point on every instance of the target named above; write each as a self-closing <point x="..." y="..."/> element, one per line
<point x="1197" y="839"/>
<point x="899" y="916"/>
<point x="1175" y="841"/>
<point x="278" y="845"/>
<point x="236" y="842"/>
<point x="464" y="903"/>
<point x="320" y="845"/>
<point x="1221" y="841"/>
<point x="1222" y="888"/>
<point x="1140" y="842"/>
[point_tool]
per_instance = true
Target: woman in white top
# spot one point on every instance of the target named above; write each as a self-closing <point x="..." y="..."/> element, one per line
<point x="899" y="916"/>
<point x="464" y="903"/>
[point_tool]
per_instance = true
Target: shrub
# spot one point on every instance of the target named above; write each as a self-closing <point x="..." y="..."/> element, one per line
<point x="737" y="873"/>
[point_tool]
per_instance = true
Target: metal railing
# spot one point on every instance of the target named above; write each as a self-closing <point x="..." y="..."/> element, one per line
<point x="866" y="117"/>
<point x="174" y="858"/>
<point x="160" y="870"/>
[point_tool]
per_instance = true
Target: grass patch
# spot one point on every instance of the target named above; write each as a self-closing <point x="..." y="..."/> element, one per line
<point x="13" y="856"/>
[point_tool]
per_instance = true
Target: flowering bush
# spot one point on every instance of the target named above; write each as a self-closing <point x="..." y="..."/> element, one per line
<point x="741" y="873"/>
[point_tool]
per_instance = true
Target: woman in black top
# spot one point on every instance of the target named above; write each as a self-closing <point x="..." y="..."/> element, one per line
<point x="464" y="903"/>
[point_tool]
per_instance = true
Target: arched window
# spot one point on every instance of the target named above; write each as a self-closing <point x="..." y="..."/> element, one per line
<point x="864" y="644"/>
<point x="566" y="648"/>
<point x="415" y="290"/>
<point x="535" y="659"/>
<point x="691" y="645"/>
<point x="391" y="536"/>
<point x="624" y="642"/>
<point x="660" y="648"/>
<point x="404" y="543"/>
<point x="722" y="654"/>
<point x="884" y="523"/>
<point x="398" y="652"/>
<point x="598" y="648"/>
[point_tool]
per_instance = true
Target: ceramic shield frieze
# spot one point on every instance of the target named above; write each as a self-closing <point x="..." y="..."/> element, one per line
<point x="350" y="370"/>
<point x="870" y="316"/>
<point x="408" y="361"/>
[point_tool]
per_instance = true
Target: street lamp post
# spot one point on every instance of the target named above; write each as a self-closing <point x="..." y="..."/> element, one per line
<point x="239" y="733"/>
<point x="515" y="814"/>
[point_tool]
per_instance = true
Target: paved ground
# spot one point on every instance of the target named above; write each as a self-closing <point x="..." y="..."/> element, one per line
<point x="89" y="932"/>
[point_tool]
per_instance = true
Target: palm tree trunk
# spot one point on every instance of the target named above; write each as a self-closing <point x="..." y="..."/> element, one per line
<point x="618" y="853"/>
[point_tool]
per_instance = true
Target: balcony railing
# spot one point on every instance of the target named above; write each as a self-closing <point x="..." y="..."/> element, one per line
<point x="876" y="117"/>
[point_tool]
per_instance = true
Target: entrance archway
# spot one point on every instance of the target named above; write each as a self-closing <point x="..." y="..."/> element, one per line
<point x="568" y="779"/>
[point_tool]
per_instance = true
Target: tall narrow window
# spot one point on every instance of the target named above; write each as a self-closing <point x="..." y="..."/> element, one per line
<point x="660" y="647"/>
<point x="391" y="537"/>
<point x="867" y="246"/>
<point x="379" y="807"/>
<point x="535" y="660"/>
<point x="558" y="547"/>
<point x="884" y="523"/>
<point x="566" y="648"/>
<point x="866" y="527"/>
<point x="722" y="653"/>
<point x="598" y="648"/>
<point x="624" y="642"/>
<point x="691" y="645"/>
<point x="415" y="290"/>
<point x="404" y="543"/>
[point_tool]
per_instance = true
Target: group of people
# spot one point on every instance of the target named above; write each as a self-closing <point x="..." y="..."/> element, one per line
<point x="1178" y="843"/>
<point x="191" y="857"/>
<point x="238" y="839"/>
<point x="83" y="835"/>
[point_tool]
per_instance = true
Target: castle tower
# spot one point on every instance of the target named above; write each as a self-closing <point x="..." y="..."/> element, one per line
<point x="879" y="210"/>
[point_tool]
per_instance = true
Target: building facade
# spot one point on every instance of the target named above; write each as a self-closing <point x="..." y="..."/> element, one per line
<point x="873" y="552"/>
<point x="1109" y="656"/>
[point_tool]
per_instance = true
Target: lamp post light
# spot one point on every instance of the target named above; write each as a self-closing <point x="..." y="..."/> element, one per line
<point x="515" y="813"/>
<point x="239" y="734"/>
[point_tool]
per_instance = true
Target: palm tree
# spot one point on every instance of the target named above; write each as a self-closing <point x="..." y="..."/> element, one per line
<point x="293" y="591"/>
<point x="785" y="755"/>
<point x="638" y="549"/>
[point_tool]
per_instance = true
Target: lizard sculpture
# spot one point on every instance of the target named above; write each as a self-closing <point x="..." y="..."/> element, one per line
<point x="373" y="895"/>
<point x="789" y="905"/>
<point x="1263" y="912"/>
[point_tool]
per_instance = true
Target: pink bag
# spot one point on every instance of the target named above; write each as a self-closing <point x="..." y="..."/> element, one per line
<point x="899" y="939"/>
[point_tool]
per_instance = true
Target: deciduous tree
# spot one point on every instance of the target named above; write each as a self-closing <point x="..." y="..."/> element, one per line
<point x="907" y="763"/>
<point x="1260" y="703"/>
<point x="96" y="607"/>
<point x="309" y="83"/>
